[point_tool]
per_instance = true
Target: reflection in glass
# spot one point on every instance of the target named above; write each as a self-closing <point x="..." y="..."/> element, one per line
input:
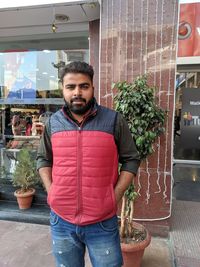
<point x="186" y="120"/>
<point x="31" y="75"/>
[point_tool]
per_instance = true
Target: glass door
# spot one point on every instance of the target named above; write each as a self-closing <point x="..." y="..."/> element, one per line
<point x="187" y="117"/>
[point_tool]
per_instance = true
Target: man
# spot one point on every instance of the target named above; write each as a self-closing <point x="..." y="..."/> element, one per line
<point x="78" y="163"/>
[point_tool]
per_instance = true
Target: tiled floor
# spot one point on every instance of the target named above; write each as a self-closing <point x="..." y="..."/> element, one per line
<point x="185" y="234"/>
<point x="28" y="245"/>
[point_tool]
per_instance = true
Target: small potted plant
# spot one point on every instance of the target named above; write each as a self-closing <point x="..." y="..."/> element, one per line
<point x="3" y="173"/>
<point x="137" y="103"/>
<point x="25" y="177"/>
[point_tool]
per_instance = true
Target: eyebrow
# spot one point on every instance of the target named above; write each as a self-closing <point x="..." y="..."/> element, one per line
<point x="73" y="84"/>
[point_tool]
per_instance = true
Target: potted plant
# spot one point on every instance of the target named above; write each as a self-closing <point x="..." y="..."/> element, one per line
<point x="137" y="103"/>
<point x="3" y="174"/>
<point x="25" y="176"/>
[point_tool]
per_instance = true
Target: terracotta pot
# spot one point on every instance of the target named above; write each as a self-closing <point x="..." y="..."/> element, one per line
<point x="133" y="252"/>
<point x="24" y="199"/>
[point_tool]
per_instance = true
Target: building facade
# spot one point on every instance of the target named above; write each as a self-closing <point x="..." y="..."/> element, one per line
<point x="122" y="40"/>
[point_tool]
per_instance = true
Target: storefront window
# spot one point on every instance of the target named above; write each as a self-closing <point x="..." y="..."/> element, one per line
<point x="29" y="77"/>
<point x="187" y="117"/>
<point x="29" y="93"/>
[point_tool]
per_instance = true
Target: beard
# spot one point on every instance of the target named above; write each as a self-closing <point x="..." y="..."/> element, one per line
<point x="79" y="109"/>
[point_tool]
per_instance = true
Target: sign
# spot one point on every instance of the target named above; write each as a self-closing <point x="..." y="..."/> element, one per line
<point x="189" y="30"/>
<point x="190" y="118"/>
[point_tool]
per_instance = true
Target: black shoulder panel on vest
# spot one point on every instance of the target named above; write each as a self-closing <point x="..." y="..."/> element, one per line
<point x="104" y="120"/>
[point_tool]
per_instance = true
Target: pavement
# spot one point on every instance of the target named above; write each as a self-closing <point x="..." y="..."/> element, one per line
<point x="185" y="233"/>
<point x="25" y="241"/>
<point x="29" y="245"/>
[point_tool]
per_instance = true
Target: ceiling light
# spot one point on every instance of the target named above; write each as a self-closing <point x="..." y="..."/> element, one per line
<point x="54" y="27"/>
<point x="61" y="17"/>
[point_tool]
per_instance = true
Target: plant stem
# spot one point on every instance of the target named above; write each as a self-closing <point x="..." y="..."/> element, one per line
<point x="123" y="217"/>
<point x="130" y="232"/>
<point x="132" y="210"/>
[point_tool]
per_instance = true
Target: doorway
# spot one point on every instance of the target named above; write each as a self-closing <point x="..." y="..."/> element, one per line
<point x="186" y="167"/>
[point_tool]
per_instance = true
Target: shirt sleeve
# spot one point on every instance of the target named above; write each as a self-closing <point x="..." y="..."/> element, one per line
<point x="128" y="154"/>
<point x="44" y="154"/>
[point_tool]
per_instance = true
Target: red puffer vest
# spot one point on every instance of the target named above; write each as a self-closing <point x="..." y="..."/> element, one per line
<point x="85" y="167"/>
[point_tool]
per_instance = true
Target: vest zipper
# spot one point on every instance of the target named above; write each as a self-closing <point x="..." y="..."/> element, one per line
<point x="79" y="166"/>
<point x="79" y="174"/>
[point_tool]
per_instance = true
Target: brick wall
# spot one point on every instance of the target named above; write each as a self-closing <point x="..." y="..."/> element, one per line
<point x="138" y="37"/>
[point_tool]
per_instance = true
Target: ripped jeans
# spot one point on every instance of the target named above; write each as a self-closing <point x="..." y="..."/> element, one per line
<point x="101" y="239"/>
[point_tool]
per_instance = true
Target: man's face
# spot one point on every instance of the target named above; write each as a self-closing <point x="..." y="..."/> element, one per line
<point x="77" y="91"/>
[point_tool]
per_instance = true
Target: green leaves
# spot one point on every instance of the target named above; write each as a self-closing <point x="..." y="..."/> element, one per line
<point x="129" y="192"/>
<point x="25" y="174"/>
<point x="136" y="101"/>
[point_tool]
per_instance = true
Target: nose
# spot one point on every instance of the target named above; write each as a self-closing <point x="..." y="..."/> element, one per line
<point x="77" y="91"/>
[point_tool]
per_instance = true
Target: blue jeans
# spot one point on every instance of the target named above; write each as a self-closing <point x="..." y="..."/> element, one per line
<point x="101" y="239"/>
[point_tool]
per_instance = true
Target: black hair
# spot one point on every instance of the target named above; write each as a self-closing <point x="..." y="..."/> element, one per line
<point x="77" y="67"/>
<point x="28" y="120"/>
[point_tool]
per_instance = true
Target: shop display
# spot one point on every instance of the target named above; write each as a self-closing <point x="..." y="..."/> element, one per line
<point x="22" y="127"/>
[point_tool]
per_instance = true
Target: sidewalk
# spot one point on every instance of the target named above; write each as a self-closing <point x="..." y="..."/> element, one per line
<point x="185" y="233"/>
<point x="28" y="245"/>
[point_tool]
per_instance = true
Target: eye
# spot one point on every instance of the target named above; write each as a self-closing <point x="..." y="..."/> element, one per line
<point x="69" y="87"/>
<point x="84" y="86"/>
